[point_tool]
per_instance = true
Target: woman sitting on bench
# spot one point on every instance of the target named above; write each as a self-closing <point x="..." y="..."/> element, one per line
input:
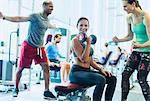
<point x="81" y="73"/>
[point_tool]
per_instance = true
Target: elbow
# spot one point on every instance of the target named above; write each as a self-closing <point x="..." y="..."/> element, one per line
<point x="130" y="38"/>
<point x="16" y="19"/>
<point x="83" y="60"/>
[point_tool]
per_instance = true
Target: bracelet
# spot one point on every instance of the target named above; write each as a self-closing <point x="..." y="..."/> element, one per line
<point x="3" y="18"/>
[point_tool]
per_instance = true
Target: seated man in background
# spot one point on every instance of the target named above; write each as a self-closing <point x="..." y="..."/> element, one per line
<point x="53" y="56"/>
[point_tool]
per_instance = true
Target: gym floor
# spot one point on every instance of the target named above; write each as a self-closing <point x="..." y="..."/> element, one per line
<point x="36" y="93"/>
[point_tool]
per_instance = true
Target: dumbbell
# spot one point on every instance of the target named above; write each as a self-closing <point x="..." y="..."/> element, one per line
<point x="93" y="39"/>
<point x="83" y="38"/>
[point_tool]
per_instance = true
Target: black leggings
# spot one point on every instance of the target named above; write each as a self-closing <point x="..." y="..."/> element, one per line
<point x="87" y="77"/>
<point x="141" y="62"/>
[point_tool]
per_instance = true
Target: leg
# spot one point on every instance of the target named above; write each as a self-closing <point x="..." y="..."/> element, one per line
<point x="43" y="61"/>
<point x="62" y="73"/>
<point x="111" y="85"/>
<point x="38" y="77"/>
<point x="47" y="94"/>
<point x="131" y="65"/>
<point x="18" y="76"/>
<point x="125" y="83"/>
<point x="142" y="75"/>
<point x="65" y="69"/>
<point x="89" y="78"/>
<point x="46" y="74"/>
<point x="27" y="54"/>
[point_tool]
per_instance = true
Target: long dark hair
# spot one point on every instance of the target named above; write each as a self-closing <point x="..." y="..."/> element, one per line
<point x="136" y="3"/>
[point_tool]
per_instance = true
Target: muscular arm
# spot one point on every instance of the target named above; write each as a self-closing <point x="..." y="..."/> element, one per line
<point x="129" y="35"/>
<point x="95" y="65"/>
<point x="61" y="56"/>
<point x="82" y="54"/>
<point x="98" y="67"/>
<point x="15" y="18"/>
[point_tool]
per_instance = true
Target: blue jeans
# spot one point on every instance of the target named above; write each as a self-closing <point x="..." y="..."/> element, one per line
<point x="87" y="77"/>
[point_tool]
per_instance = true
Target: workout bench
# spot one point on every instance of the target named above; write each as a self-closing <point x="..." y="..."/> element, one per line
<point x="72" y="92"/>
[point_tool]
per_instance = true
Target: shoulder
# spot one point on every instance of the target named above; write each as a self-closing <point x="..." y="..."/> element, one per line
<point x="146" y="18"/>
<point x="49" y="44"/>
<point x="34" y="16"/>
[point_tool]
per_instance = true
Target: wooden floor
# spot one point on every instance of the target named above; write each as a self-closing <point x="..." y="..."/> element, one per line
<point x="36" y="93"/>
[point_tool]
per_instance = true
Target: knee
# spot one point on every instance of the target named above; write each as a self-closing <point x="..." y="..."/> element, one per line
<point x="101" y="80"/>
<point x="113" y="79"/>
<point x="67" y="66"/>
<point x="141" y="82"/>
<point x="125" y="75"/>
<point x="45" y="68"/>
<point x="19" y="71"/>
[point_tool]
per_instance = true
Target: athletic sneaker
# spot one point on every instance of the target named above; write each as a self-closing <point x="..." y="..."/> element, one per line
<point x="15" y="92"/>
<point x="49" y="95"/>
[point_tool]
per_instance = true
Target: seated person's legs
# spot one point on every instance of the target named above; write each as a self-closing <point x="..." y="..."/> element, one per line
<point x="111" y="85"/>
<point x="88" y="78"/>
<point x="110" y="89"/>
<point x="65" y="69"/>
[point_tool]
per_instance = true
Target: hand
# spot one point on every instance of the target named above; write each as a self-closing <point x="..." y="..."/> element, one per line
<point x="56" y="64"/>
<point x="115" y="39"/>
<point x="52" y="64"/>
<point x="136" y="45"/>
<point x="89" y="40"/>
<point x="106" y="73"/>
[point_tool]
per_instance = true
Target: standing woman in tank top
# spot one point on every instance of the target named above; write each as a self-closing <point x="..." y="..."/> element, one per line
<point x="138" y="26"/>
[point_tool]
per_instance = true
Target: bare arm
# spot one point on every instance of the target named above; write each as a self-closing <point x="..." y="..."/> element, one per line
<point x="95" y="65"/>
<point x="98" y="67"/>
<point x="129" y="36"/>
<point x="15" y="18"/>
<point x="81" y="53"/>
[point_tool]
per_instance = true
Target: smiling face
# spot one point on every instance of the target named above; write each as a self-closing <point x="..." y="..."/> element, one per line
<point x="129" y="8"/>
<point x="48" y="7"/>
<point x="83" y="25"/>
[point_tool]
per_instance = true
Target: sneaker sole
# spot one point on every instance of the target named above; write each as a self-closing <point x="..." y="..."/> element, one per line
<point x="15" y="96"/>
<point x="49" y="98"/>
